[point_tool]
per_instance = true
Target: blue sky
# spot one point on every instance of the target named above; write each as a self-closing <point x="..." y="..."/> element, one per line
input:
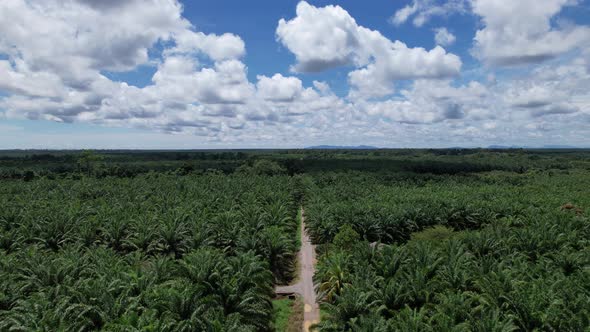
<point x="232" y="74"/>
<point x="265" y="56"/>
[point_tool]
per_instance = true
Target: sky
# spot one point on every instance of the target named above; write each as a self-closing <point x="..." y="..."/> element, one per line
<point x="168" y="74"/>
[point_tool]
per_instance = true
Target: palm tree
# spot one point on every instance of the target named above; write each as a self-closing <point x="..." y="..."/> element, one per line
<point x="348" y="307"/>
<point x="143" y="235"/>
<point x="54" y="231"/>
<point x="455" y="266"/>
<point x="246" y="289"/>
<point x="115" y="233"/>
<point x="173" y="235"/>
<point x="411" y="320"/>
<point x="10" y="240"/>
<point x="332" y="276"/>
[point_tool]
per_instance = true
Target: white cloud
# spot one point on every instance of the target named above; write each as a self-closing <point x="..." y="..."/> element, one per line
<point x="59" y="70"/>
<point x="322" y="87"/>
<point x="61" y="36"/>
<point x="533" y="97"/>
<point x="551" y="90"/>
<point x="400" y="63"/>
<point x="24" y="81"/>
<point x="322" y="38"/>
<point x="325" y="37"/>
<point x="402" y="15"/>
<point x="200" y="86"/>
<point x="444" y="37"/>
<point x="430" y="101"/>
<point x="226" y="46"/>
<point x="279" y="88"/>
<point x="519" y="32"/>
<point x="424" y="10"/>
<point x="225" y="83"/>
<point x="55" y="67"/>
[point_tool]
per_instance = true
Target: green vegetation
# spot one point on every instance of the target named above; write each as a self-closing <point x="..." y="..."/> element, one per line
<point x="435" y="234"/>
<point x="283" y="308"/>
<point x="156" y="252"/>
<point x="296" y="318"/>
<point x="346" y="237"/>
<point x="408" y="240"/>
<point x="262" y="167"/>
<point x="492" y="251"/>
<point x="288" y="314"/>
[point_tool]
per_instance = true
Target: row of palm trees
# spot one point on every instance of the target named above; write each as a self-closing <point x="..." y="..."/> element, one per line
<point x="83" y="289"/>
<point x="153" y="253"/>
<point x="390" y="209"/>
<point x="516" y="261"/>
<point x="486" y="280"/>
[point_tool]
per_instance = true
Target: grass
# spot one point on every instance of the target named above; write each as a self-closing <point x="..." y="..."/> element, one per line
<point x="288" y="314"/>
<point x="296" y="275"/>
<point x="298" y="246"/>
<point x="299" y="221"/>
<point x="282" y="311"/>
<point x="437" y="233"/>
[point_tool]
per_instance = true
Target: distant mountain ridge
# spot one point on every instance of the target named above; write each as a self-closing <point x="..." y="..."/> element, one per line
<point x="531" y="147"/>
<point x="492" y="147"/>
<point x="506" y="147"/>
<point x="339" y="147"/>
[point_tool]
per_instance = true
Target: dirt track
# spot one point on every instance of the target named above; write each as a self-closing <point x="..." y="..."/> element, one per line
<point x="304" y="287"/>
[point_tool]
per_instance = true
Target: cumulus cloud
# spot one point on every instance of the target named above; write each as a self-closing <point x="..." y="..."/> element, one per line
<point x="444" y="37"/>
<point x="326" y="37"/>
<point x="402" y="63"/>
<point x="424" y="10"/>
<point x="226" y="46"/>
<point x="55" y="70"/>
<point x="322" y="38"/>
<point x="533" y="97"/>
<point x="179" y="79"/>
<point x="279" y="88"/>
<point x="429" y="101"/>
<point x="501" y="109"/>
<point x="550" y="90"/>
<point x="527" y="37"/>
<point x="69" y="35"/>
<point x="18" y="78"/>
<point x="61" y="69"/>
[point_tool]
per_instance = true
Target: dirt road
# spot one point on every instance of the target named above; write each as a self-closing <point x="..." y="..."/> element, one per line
<point x="304" y="287"/>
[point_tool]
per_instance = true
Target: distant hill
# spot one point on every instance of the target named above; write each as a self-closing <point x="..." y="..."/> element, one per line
<point x="506" y="147"/>
<point x="531" y="147"/>
<point x="338" y="147"/>
<point x="559" y="147"/>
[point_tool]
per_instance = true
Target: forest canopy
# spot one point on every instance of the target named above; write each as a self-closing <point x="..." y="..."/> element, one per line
<point x="406" y="240"/>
